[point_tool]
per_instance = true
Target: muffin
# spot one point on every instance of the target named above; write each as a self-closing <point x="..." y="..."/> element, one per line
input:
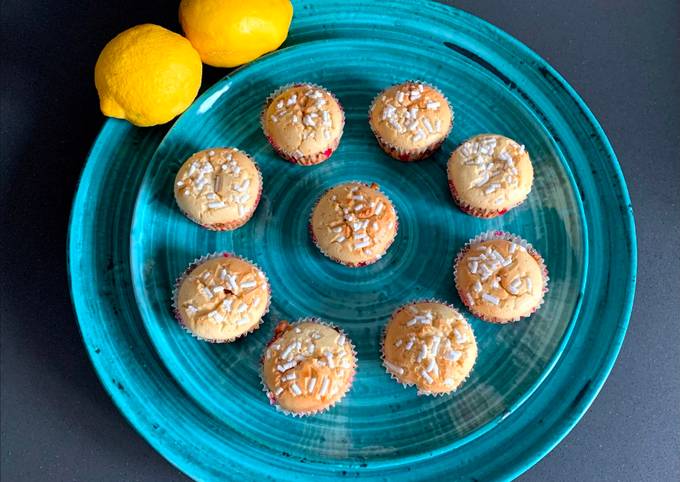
<point x="410" y="120"/>
<point x="354" y="224"/>
<point x="303" y="123"/>
<point x="221" y="297"/>
<point x="218" y="188"/>
<point x="489" y="174"/>
<point x="429" y="345"/>
<point x="500" y="277"/>
<point x="308" y="367"/>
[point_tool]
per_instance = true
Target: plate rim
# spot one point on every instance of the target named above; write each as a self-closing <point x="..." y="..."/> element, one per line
<point x="554" y="436"/>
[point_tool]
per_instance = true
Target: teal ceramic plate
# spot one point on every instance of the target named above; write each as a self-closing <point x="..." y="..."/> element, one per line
<point x="201" y="405"/>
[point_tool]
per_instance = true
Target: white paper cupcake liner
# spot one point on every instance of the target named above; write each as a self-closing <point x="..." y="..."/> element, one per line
<point x="195" y="263"/>
<point x="410" y="155"/>
<point x="496" y="234"/>
<point x="270" y="395"/>
<point x="394" y="376"/>
<point x="309" y="159"/>
<point x="361" y="264"/>
<point x="237" y="223"/>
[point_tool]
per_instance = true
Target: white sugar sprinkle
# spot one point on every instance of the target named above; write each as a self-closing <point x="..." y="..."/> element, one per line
<point x="379" y="207"/>
<point x="215" y="317"/>
<point x="397" y="369"/>
<point x="490" y="298"/>
<point x="310" y="384"/>
<point x="453" y="355"/>
<point x="426" y="376"/>
<point x="216" y="205"/>
<point x="435" y="345"/>
<point x="242" y="321"/>
<point x="492" y="187"/>
<point x="278" y="391"/>
<point x="324" y="386"/>
<point x="423" y="352"/>
<point x="286" y="353"/>
<point x="248" y="284"/>
<point x="231" y="279"/>
<point x="460" y="338"/>
<point x="290" y="376"/>
<point x="431" y="366"/>
<point x="295" y="389"/>
<point x="470" y="299"/>
<point x="398" y="343"/>
<point x="286" y="366"/>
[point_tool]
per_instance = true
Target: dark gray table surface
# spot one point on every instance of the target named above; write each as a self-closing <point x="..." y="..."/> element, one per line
<point x="58" y="423"/>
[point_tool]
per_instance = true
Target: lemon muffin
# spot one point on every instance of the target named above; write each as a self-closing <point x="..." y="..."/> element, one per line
<point x="410" y="120"/>
<point x="221" y="297"/>
<point x="218" y="188"/>
<point x="303" y="123"/>
<point x="308" y="367"/>
<point x="490" y="174"/>
<point x="429" y="345"/>
<point x="354" y="224"/>
<point x="500" y="277"/>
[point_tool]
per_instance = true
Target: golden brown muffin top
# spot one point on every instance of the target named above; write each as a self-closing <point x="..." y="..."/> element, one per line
<point x="218" y="186"/>
<point x="491" y="172"/>
<point x="303" y="120"/>
<point x="429" y="345"/>
<point x="354" y="223"/>
<point x="411" y="116"/>
<point x="308" y="366"/>
<point x="500" y="279"/>
<point x="222" y="298"/>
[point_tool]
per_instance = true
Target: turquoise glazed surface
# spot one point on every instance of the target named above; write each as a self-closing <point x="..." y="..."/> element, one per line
<point x="201" y="405"/>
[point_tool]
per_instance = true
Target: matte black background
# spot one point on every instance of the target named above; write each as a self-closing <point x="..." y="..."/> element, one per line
<point x="58" y="424"/>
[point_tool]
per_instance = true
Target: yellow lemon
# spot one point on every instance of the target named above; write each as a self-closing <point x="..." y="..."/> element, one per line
<point x="147" y="75"/>
<point x="232" y="32"/>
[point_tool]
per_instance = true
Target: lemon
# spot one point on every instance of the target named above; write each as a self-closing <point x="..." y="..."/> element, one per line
<point x="232" y="32"/>
<point x="147" y="75"/>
